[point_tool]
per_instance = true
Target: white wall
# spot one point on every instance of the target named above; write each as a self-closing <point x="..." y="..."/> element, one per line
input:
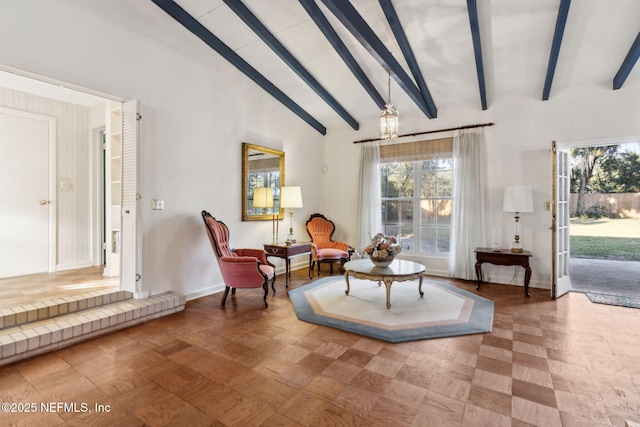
<point x="518" y="153"/>
<point x="197" y="110"/>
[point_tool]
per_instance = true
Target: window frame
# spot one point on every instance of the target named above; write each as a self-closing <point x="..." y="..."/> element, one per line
<point x="417" y="158"/>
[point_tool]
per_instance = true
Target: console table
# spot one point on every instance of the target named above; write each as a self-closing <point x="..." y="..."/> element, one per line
<point x="503" y="257"/>
<point x="286" y="252"/>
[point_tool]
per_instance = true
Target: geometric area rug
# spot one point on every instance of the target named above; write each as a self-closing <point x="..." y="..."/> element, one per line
<point x="443" y="311"/>
<point x="614" y="300"/>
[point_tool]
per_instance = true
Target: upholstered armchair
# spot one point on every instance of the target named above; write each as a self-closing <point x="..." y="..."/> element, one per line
<point x="323" y="248"/>
<point x="240" y="268"/>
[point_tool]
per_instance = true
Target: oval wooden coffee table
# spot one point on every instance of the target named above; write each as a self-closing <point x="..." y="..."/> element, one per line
<point x="398" y="271"/>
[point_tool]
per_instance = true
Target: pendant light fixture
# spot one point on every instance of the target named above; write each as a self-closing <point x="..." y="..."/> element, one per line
<point x="389" y="117"/>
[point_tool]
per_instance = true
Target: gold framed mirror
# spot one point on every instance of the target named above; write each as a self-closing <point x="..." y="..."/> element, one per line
<point x="261" y="167"/>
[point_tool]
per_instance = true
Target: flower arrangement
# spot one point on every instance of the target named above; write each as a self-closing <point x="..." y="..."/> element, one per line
<point x="382" y="246"/>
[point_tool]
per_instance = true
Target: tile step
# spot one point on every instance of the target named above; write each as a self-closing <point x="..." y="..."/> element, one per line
<point x="28" y="313"/>
<point x="22" y="341"/>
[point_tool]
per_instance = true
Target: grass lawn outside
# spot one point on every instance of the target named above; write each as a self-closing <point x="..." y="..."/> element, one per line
<point x="605" y="238"/>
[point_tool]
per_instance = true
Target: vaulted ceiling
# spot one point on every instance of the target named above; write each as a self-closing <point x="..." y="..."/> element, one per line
<point x="327" y="60"/>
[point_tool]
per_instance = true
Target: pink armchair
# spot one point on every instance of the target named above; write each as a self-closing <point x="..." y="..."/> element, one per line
<point x="323" y="249"/>
<point x="240" y="268"/>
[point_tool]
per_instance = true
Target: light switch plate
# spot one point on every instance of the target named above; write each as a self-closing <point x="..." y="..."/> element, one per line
<point x="157" y="204"/>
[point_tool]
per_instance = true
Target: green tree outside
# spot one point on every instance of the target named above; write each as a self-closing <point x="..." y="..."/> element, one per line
<point x="606" y="170"/>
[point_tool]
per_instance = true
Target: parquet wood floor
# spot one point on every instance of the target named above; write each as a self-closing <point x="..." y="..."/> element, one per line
<point x="546" y="363"/>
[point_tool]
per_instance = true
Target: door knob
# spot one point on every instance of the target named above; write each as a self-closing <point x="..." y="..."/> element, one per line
<point x="43" y="202"/>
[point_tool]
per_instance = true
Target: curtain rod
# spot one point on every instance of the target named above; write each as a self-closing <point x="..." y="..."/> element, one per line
<point x="429" y="131"/>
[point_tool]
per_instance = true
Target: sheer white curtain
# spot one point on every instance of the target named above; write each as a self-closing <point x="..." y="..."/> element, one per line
<point x="469" y="217"/>
<point x="370" y="199"/>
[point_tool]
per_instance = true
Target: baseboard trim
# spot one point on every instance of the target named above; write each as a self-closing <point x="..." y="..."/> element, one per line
<point x="74" y="265"/>
<point x="203" y="292"/>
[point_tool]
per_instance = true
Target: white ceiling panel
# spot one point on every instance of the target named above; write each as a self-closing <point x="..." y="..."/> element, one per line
<point x="517" y="36"/>
<point x="329" y="69"/>
<point x="306" y="42"/>
<point x="225" y="25"/>
<point x="516" y="41"/>
<point x="262" y="58"/>
<point x="277" y="15"/>
<point x="199" y="8"/>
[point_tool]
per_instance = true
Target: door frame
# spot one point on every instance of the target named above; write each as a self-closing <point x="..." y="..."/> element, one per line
<point x="135" y="241"/>
<point x="52" y="185"/>
<point x="97" y="198"/>
<point x="567" y="145"/>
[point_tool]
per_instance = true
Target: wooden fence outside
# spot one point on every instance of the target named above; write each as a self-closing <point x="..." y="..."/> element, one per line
<point x="621" y="205"/>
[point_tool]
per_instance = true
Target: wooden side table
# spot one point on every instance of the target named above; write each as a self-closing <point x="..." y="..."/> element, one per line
<point x="286" y="252"/>
<point x="504" y="257"/>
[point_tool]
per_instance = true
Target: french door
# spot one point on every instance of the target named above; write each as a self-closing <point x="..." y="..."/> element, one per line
<point x="560" y="278"/>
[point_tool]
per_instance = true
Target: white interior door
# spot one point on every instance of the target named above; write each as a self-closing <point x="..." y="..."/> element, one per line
<point x="561" y="280"/>
<point x="26" y="194"/>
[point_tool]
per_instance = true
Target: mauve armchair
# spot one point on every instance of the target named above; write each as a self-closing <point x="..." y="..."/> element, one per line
<point x="240" y="268"/>
<point x="323" y="249"/>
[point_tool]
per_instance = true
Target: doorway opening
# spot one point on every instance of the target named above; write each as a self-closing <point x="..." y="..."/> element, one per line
<point x="601" y="218"/>
<point x="605" y="220"/>
<point x="78" y="189"/>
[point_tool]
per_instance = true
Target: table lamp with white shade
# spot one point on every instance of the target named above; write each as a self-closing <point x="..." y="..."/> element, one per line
<point x="290" y="198"/>
<point x="517" y="199"/>
<point x="263" y="198"/>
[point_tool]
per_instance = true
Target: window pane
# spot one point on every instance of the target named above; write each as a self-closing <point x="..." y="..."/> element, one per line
<point x="389" y="212"/>
<point x="389" y="189"/>
<point x="392" y="230"/>
<point x="392" y="167"/>
<point x="407" y="244"/>
<point x="397" y="179"/>
<point x="427" y="186"/>
<point x="427" y="239"/>
<point x="406" y="186"/>
<point x="405" y="235"/>
<point x="443" y="238"/>
<point x="444" y="183"/>
<point x="405" y="180"/>
<point x="406" y="211"/>
<point x="427" y="179"/>
<point x="427" y="212"/>
<point x="444" y="212"/>
<point x="430" y="231"/>
<point x="387" y="169"/>
<point x="445" y="164"/>
<point x="428" y="166"/>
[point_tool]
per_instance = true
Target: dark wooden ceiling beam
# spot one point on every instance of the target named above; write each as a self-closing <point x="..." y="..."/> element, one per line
<point x="351" y="19"/>
<point x="191" y="24"/>
<point x="283" y="53"/>
<point x="563" y="13"/>
<point x="405" y="47"/>
<point x="472" y="10"/>
<point x="628" y="63"/>
<point x="332" y="37"/>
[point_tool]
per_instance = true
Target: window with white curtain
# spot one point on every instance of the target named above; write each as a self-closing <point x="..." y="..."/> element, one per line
<point x="417" y="188"/>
